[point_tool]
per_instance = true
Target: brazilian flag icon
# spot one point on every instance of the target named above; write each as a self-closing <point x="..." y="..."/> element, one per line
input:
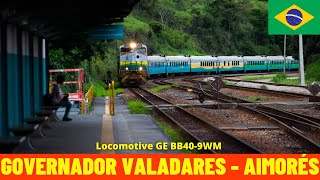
<point x="293" y="17"/>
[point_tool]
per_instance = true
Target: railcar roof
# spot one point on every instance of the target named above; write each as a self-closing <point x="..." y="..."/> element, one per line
<point x="156" y="58"/>
<point x="177" y="58"/>
<point x="204" y="58"/>
<point x="230" y="58"/>
<point x="255" y="58"/>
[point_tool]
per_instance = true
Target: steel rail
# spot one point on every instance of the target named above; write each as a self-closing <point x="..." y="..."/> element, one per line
<point x="230" y="143"/>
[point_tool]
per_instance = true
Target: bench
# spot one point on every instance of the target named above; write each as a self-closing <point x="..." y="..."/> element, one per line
<point x="27" y="131"/>
<point x="9" y="143"/>
<point x="41" y="121"/>
<point x="47" y="113"/>
<point x="48" y="105"/>
<point x="53" y="108"/>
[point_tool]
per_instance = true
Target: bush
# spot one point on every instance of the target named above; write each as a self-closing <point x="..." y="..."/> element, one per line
<point x="137" y="107"/>
<point x="312" y="71"/>
<point x="279" y="77"/>
<point x="264" y="87"/>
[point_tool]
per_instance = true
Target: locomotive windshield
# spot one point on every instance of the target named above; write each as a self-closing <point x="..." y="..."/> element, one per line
<point x="141" y="49"/>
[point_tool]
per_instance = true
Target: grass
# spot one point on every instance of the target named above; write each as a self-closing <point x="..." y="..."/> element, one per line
<point x="254" y="78"/>
<point x="229" y="83"/>
<point x="162" y="87"/>
<point x="99" y="88"/>
<point x="173" y="134"/>
<point x="281" y="78"/>
<point x="116" y="91"/>
<point x="289" y="81"/>
<point x="264" y="87"/>
<point x="91" y="108"/>
<point x="312" y="71"/>
<point x="255" y="98"/>
<point x="137" y="107"/>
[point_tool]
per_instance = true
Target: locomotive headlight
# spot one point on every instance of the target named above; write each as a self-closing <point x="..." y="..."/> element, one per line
<point x="133" y="45"/>
<point x="140" y="68"/>
<point x="127" y="68"/>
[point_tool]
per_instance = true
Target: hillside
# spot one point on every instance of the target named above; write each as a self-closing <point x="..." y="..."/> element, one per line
<point x="193" y="27"/>
<point x="217" y="27"/>
<point x="224" y="27"/>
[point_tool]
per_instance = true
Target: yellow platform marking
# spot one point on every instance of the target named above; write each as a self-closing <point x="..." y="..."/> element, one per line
<point x="107" y="129"/>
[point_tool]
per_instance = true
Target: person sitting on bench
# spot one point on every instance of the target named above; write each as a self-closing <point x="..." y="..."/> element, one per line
<point x="58" y="98"/>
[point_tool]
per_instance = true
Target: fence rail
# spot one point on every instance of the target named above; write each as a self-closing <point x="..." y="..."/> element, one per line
<point x="111" y="98"/>
<point x="87" y="102"/>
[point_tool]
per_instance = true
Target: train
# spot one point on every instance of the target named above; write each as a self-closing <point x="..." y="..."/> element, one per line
<point x="133" y="64"/>
<point x="136" y="67"/>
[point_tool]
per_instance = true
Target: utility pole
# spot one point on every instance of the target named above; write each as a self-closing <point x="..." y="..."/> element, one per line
<point x="284" y="54"/>
<point x="302" y="81"/>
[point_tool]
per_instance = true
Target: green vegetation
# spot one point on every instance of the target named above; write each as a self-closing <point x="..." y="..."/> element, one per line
<point x="99" y="88"/>
<point x="290" y="81"/>
<point x="229" y="83"/>
<point x="162" y="87"/>
<point x="194" y="27"/>
<point x="280" y="77"/>
<point x="255" y="98"/>
<point x="312" y="73"/>
<point x="137" y="107"/>
<point x="255" y="78"/>
<point x="204" y="27"/>
<point x="264" y="87"/>
<point x="174" y="134"/>
<point x="116" y="91"/>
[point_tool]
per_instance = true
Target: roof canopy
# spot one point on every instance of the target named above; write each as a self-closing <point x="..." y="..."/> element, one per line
<point x="54" y="19"/>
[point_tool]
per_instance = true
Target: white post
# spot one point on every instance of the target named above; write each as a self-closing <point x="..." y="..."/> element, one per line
<point x="284" y="54"/>
<point x="302" y="81"/>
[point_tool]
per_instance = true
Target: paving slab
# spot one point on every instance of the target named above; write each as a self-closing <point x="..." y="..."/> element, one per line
<point x="81" y="135"/>
<point x="137" y="128"/>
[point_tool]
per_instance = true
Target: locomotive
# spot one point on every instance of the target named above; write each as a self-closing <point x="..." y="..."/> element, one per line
<point x="136" y="66"/>
<point x="132" y="67"/>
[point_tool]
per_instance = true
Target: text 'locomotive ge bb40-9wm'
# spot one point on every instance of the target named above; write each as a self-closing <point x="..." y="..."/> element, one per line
<point x="135" y="66"/>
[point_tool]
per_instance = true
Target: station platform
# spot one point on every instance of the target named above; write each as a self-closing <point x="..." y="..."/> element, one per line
<point x="85" y="133"/>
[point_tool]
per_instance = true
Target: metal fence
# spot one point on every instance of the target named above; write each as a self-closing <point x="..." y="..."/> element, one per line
<point x="87" y="102"/>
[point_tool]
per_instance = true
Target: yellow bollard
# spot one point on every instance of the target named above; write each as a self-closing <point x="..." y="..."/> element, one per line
<point x="83" y="108"/>
<point x="50" y="88"/>
<point x="112" y="96"/>
<point x="109" y="90"/>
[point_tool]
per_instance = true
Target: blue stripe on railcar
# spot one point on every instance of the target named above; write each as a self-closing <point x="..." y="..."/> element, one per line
<point x="178" y="69"/>
<point x="256" y="67"/>
<point x="157" y="70"/>
<point x="233" y="68"/>
<point x="202" y="69"/>
<point x="293" y="66"/>
<point x="274" y="65"/>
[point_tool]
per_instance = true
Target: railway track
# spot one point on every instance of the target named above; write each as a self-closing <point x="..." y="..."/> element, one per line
<point x="268" y="91"/>
<point x="305" y="128"/>
<point x="196" y="127"/>
<point x="288" y="116"/>
<point x="257" y="82"/>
